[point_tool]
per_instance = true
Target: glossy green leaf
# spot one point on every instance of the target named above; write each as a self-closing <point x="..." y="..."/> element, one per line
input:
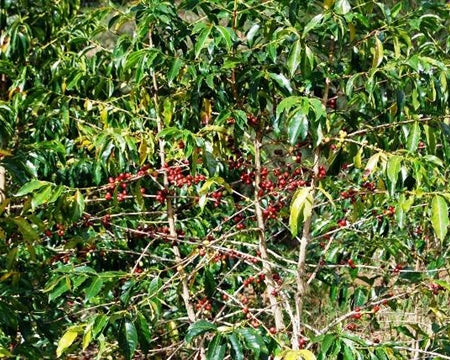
<point x="297" y="128"/>
<point x="253" y="341"/>
<point x="236" y="347"/>
<point x="313" y="23"/>
<point x="294" y="58"/>
<point x="282" y="81"/>
<point x="202" y="40"/>
<point x="342" y="7"/>
<point x="226" y="36"/>
<point x="30" y="187"/>
<point x="413" y="137"/>
<point x="174" y="69"/>
<point x="198" y="328"/>
<point x="392" y="169"/>
<point x="216" y="348"/>
<point x="93" y="289"/>
<point x="130" y="339"/>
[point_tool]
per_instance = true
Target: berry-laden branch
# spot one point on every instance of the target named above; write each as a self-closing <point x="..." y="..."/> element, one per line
<point x="170" y="213"/>
<point x="267" y="269"/>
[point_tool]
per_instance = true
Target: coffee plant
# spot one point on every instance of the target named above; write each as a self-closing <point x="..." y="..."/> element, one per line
<point x="224" y="179"/>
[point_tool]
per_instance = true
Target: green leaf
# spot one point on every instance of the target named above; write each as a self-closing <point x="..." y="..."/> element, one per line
<point x="298" y="210"/>
<point x="4" y="352"/>
<point x="199" y="328"/>
<point x="28" y="232"/>
<point x="392" y="169"/>
<point x="226" y="36"/>
<point x="326" y="343"/>
<point x="282" y="81"/>
<point x="216" y="348"/>
<point x="439" y="216"/>
<point x="254" y="341"/>
<point x="342" y="7"/>
<point x="100" y="322"/>
<point x="377" y="53"/>
<point x="287" y="103"/>
<point x="42" y="196"/>
<point x="413" y="137"/>
<point x="144" y="332"/>
<point x="294" y="58"/>
<point x="236" y="347"/>
<point x="202" y="40"/>
<point x="314" y="22"/>
<point x="131" y="339"/>
<point x="174" y="70"/>
<point x="78" y="208"/>
<point x="93" y="289"/>
<point x="297" y="128"/>
<point x="66" y="340"/>
<point x="31" y="186"/>
<point x="443" y="283"/>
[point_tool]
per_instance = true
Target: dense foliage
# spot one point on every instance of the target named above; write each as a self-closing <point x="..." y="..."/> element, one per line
<point x="224" y="179"/>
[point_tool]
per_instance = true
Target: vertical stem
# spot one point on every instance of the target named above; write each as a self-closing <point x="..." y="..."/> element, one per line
<point x="2" y="184"/>
<point x="267" y="269"/>
<point x="233" y="71"/>
<point x="302" y="282"/>
<point x="170" y="212"/>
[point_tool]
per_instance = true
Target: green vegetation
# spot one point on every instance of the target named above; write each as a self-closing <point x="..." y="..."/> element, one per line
<point x="224" y="179"/>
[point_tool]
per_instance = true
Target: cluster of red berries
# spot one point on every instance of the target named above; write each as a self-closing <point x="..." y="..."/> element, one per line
<point x="332" y="103"/>
<point x="342" y="222"/>
<point x="369" y="185"/>
<point x="120" y="182"/>
<point x="277" y="278"/>
<point x="252" y="120"/>
<point x="61" y="229"/>
<point x="247" y="177"/>
<point x="272" y="210"/>
<point x="204" y="304"/>
<point x="397" y="268"/>
<point x="217" y="196"/>
<point x="177" y="178"/>
<point x="252" y="279"/>
<point x="161" y="196"/>
<point x="436" y="288"/>
<point x="87" y="222"/>
<point x="350" y="194"/>
<point x="390" y="211"/>
<point x="106" y="220"/>
<point x="239" y="221"/>
<point x="322" y="172"/>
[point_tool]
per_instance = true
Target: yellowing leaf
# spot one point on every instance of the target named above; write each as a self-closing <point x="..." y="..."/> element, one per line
<point x="439" y="216"/>
<point x="67" y="339"/>
<point x="377" y="53"/>
<point x="296" y="355"/>
<point x="87" y="338"/>
<point x="301" y="208"/>
<point x="327" y="4"/>
<point x="372" y="163"/>
<point x="352" y="31"/>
